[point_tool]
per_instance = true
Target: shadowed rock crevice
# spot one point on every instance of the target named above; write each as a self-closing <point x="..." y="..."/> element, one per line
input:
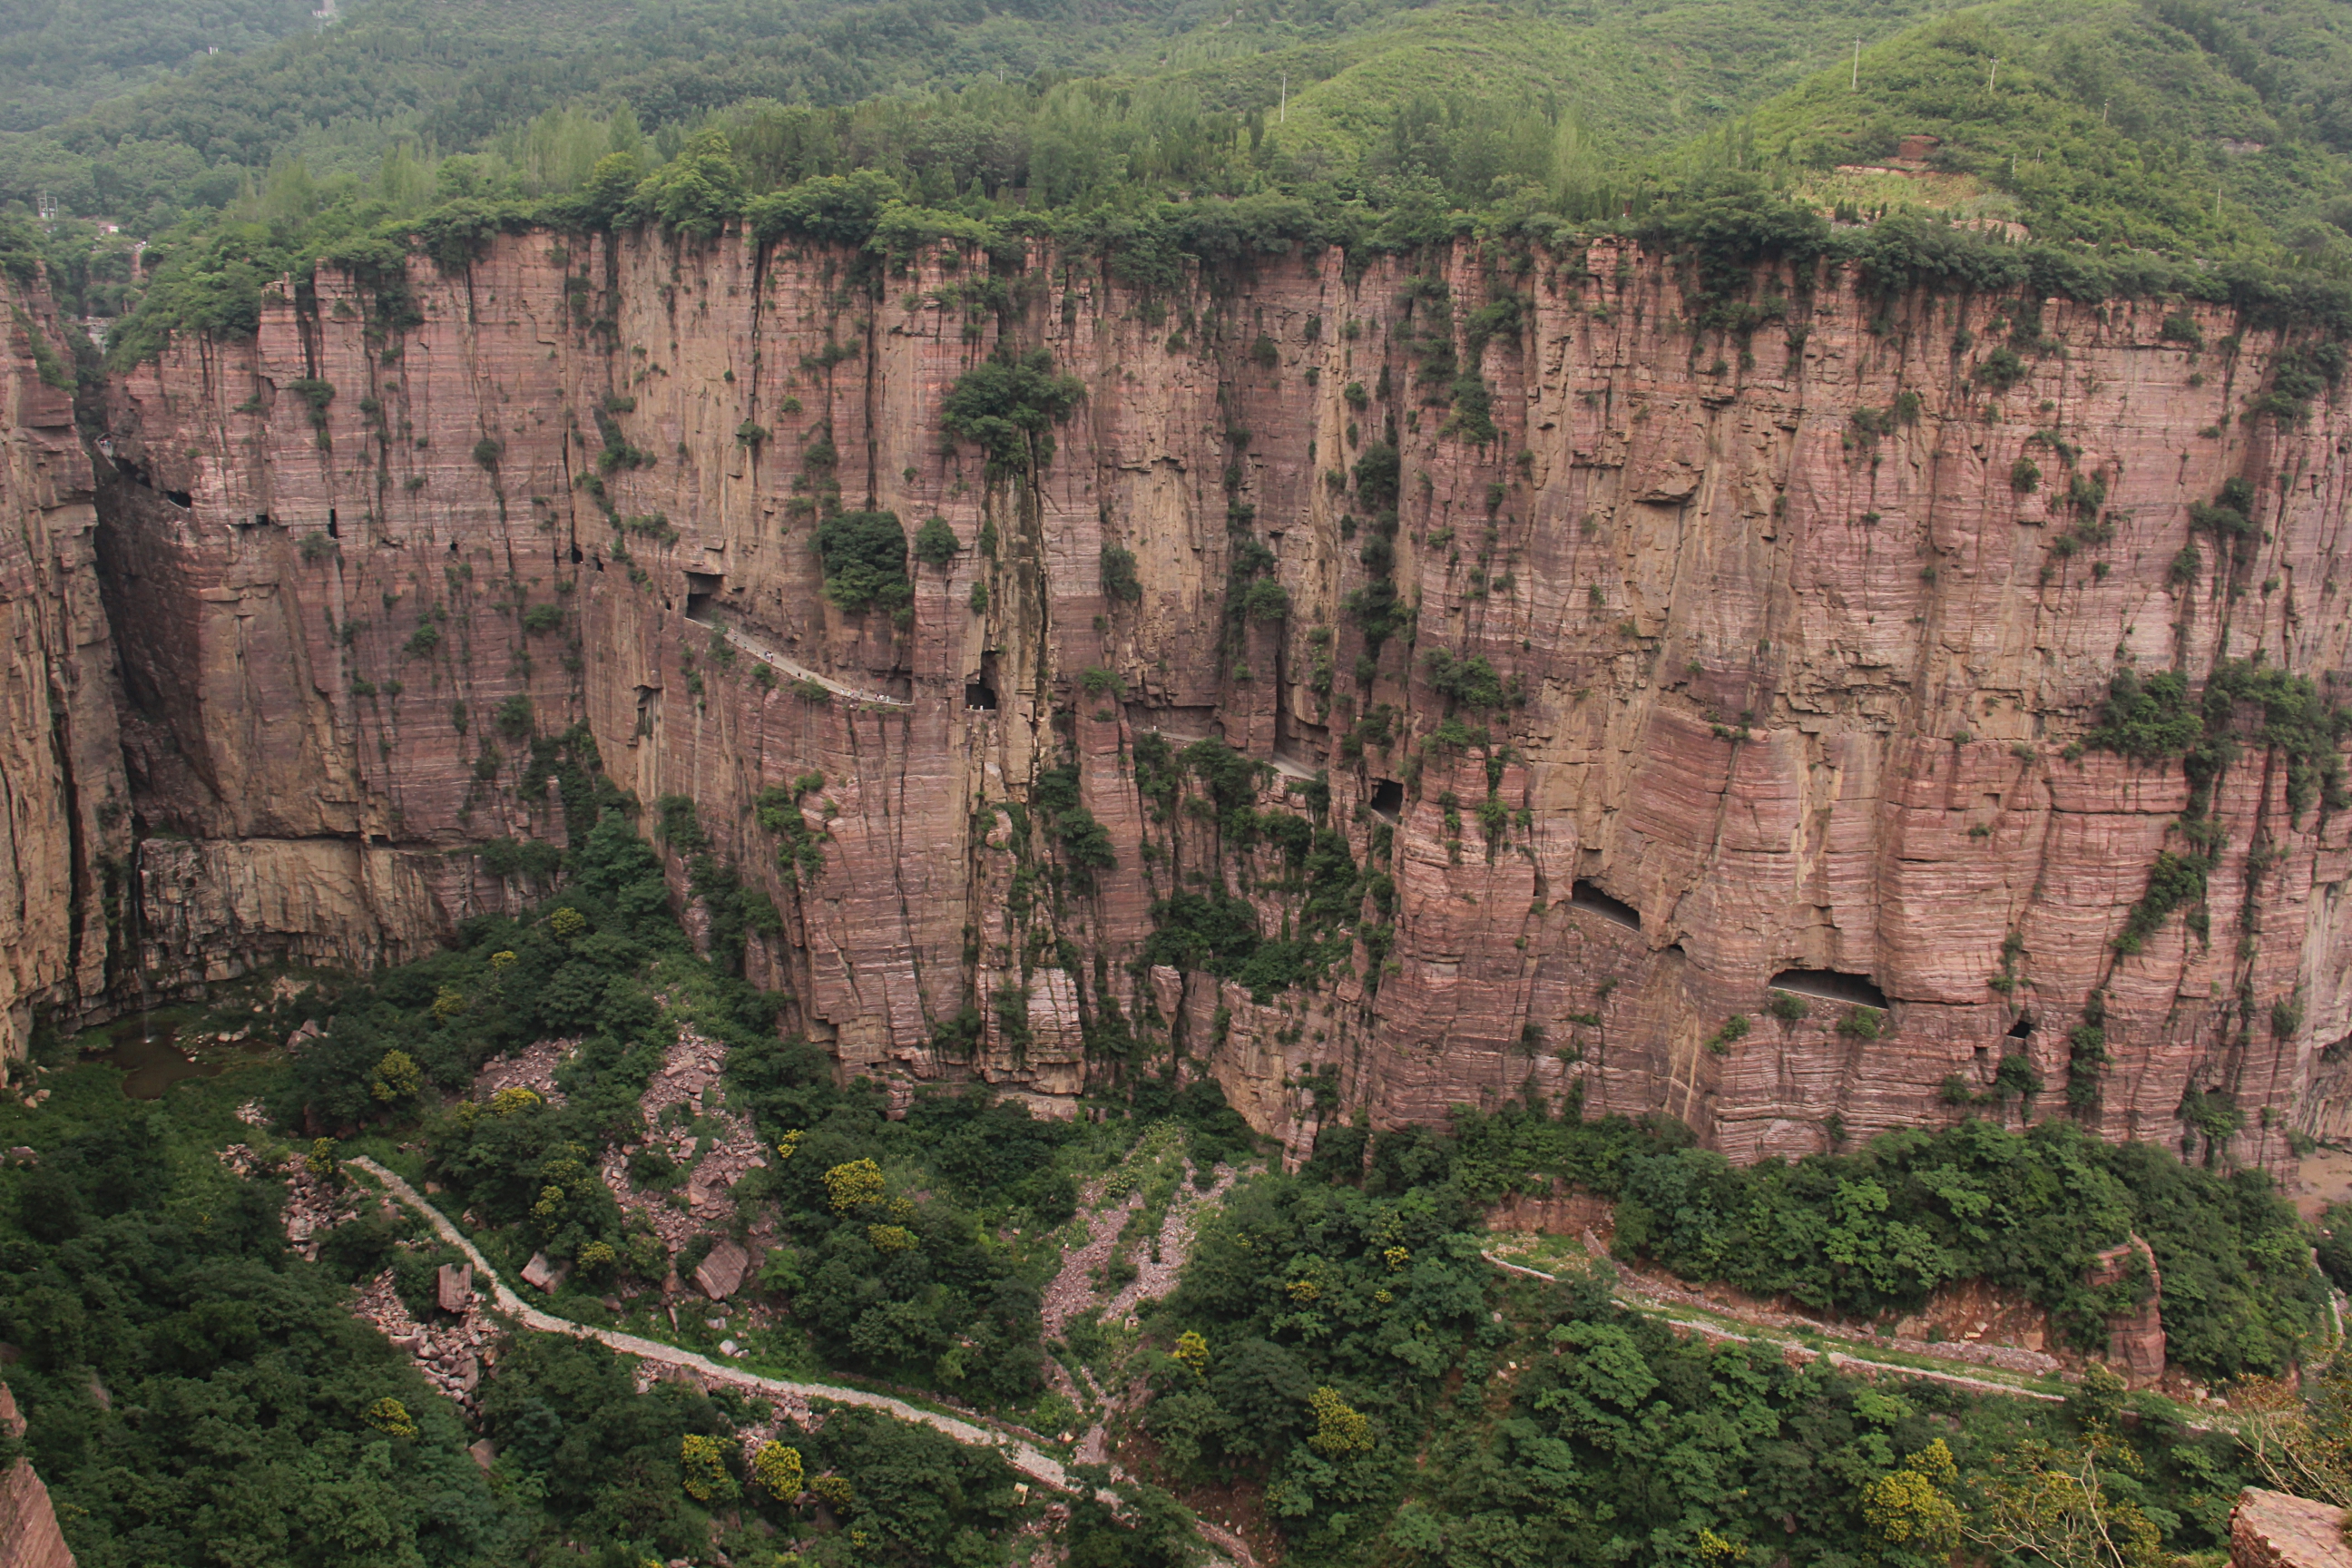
<point x="1684" y="636"/>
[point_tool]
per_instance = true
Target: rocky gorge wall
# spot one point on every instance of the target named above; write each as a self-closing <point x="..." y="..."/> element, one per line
<point x="64" y="836"/>
<point x="1796" y="669"/>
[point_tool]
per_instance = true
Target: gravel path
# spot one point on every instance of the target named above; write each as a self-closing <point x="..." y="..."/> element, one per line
<point x="1229" y="1550"/>
<point x="760" y="650"/>
<point x="1838" y="1359"/>
<point x="1022" y="1457"/>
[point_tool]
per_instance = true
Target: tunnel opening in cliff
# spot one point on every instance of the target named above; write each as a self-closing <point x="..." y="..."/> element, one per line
<point x="980" y="691"/>
<point x="1831" y="985"/>
<point x="1587" y="896"/>
<point x="251" y="691"/>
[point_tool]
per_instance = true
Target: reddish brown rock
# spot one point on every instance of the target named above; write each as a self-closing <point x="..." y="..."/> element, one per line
<point x="454" y="1287"/>
<point x="720" y="1275"/>
<point x="29" y="1537"/>
<point x="1799" y="694"/>
<point x="65" y="819"/>
<point x="2275" y="1529"/>
<point x="2135" y="1339"/>
<point x="542" y="1274"/>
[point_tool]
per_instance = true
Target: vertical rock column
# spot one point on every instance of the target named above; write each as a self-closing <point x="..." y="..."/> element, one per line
<point x="29" y="1537"/>
<point x="61" y="795"/>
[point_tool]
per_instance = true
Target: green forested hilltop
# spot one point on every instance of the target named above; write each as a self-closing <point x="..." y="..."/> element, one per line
<point x="1606" y="81"/>
<point x="58" y="56"/>
<point x="2100" y="108"/>
<point x="449" y="74"/>
<point x="2102" y="119"/>
<point x="2212" y="135"/>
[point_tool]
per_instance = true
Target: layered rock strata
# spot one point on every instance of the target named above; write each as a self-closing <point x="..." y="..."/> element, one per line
<point x="64" y="832"/>
<point x="1790" y="665"/>
<point x="29" y="1536"/>
<point x="2277" y="1530"/>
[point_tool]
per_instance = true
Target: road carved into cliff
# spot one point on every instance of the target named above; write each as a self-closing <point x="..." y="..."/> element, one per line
<point x="1838" y="1359"/>
<point x="769" y="656"/>
<point x="1022" y="1457"/>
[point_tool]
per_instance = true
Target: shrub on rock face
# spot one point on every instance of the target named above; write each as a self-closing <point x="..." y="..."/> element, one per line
<point x="2000" y="370"/>
<point x="934" y="542"/>
<point x="864" y="556"/>
<point x="1862" y="1023"/>
<point x="1120" y="582"/>
<point x="1009" y="407"/>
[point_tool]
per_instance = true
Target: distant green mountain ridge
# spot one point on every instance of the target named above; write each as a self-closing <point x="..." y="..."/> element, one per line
<point x="57" y="58"/>
<point x="2112" y="129"/>
<point x="2105" y="121"/>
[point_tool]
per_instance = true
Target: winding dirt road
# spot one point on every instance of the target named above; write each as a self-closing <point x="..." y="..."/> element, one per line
<point x="1022" y="1456"/>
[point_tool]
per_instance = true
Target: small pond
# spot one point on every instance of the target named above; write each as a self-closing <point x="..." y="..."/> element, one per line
<point x="143" y="1049"/>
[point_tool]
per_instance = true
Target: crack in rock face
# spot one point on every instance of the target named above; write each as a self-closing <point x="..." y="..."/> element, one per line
<point x="1697" y="675"/>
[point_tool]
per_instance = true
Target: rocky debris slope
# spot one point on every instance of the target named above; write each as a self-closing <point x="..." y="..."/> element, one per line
<point x="1160" y="1260"/>
<point x="712" y="1148"/>
<point x="1107" y="1205"/>
<point x="314" y="1204"/>
<point x="451" y="1351"/>
<point x="1790" y="644"/>
<point x="1072" y="1288"/>
<point x="532" y="1068"/>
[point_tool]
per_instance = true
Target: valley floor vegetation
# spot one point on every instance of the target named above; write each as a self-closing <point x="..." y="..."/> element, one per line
<point x="1337" y="1360"/>
<point x="198" y="1393"/>
<point x="1346" y="1360"/>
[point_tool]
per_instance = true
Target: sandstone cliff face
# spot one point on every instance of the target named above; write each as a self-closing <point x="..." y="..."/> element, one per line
<point x="29" y="1537"/>
<point x="63" y="833"/>
<point x="1797" y="690"/>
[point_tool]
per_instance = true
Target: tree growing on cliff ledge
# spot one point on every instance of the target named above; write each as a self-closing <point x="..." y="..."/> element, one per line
<point x="1009" y="407"/>
<point x="696" y="193"/>
<point x="864" y="556"/>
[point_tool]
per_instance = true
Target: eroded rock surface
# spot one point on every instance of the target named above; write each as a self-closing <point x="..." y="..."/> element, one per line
<point x="64" y="827"/>
<point x="29" y="1536"/>
<point x="1799" y="687"/>
<point x="2275" y="1529"/>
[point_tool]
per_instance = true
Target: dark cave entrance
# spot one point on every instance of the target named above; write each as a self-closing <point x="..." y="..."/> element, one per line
<point x="1831" y="985"/>
<point x="1589" y="896"/>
